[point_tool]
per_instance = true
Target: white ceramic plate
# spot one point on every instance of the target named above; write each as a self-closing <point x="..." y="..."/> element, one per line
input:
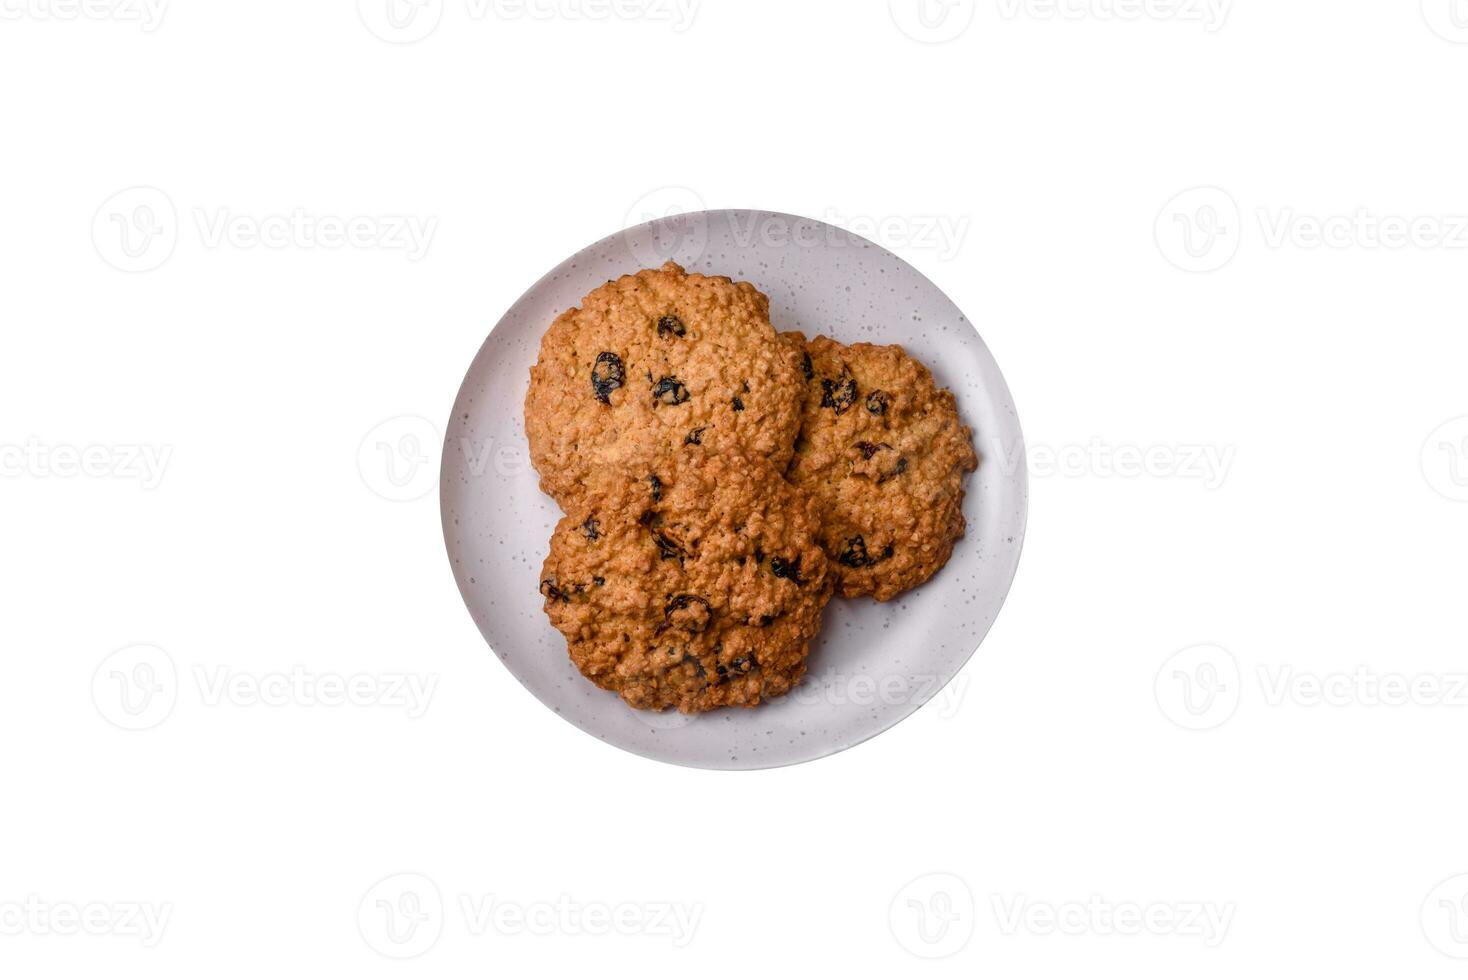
<point x="873" y="663"/>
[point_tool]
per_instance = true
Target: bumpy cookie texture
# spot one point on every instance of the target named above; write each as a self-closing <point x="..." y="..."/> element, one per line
<point x="655" y="361"/>
<point x="697" y="585"/>
<point x="883" y="452"/>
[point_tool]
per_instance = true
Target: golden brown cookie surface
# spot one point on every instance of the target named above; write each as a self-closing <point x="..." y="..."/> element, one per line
<point x="696" y="584"/>
<point x="883" y="452"/>
<point x="651" y="362"/>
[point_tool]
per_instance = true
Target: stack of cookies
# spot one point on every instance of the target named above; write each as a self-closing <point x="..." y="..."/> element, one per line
<point x="720" y="481"/>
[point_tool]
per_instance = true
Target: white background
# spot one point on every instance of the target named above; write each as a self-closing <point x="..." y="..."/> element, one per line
<point x="1301" y="318"/>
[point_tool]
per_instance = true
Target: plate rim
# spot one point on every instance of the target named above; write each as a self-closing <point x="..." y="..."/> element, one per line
<point x="1019" y="479"/>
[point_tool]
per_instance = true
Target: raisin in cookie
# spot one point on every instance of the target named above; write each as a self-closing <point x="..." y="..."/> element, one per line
<point x="696" y="584"/>
<point x="883" y="452"/>
<point x="651" y="362"/>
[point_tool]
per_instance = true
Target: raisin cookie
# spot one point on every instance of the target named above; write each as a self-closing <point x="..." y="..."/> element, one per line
<point x="654" y="361"/>
<point x="693" y="585"/>
<point x="883" y="453"/>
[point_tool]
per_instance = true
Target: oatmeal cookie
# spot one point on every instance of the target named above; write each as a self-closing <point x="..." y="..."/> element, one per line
<point x="695" y="584"/>
<point x="654" y="361"/>
<point x="883" y="452"/>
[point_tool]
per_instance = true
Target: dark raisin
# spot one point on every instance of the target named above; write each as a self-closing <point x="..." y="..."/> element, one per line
<point x="670" y="324"/>
<point x="551" y="591"/>
<point x="650" y="518"/>
<point x="607" y="375"/>
<point x="743" y="665"/>
<point x="810" y="371"/>
<point x="855" y="555"/>
<point x="699" y="672"/>
<point x="598" y="580"/>
<point x="738" y="403"/>
<point x="689" y="613"/>
<point x="591" y="528"/>
<point x="657" y="487"/>
<point x="759" y="556"/>
<point x="838" y="395"/>
<point x="670" y="391"/>
<point x="877" y="402"/>
<point x="781" y="568"/>
<point x="694" y="438"/>
<point x="667" y="547"/>
<point x="900" y="469"/>
<point x="869" y="449"/>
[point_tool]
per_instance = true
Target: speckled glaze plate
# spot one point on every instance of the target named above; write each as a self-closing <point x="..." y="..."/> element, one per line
<point x="873" y="663"/>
